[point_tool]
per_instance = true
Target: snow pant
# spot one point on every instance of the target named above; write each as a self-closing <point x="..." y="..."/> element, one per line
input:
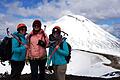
<point x="36" y="65"/>
<point x="59" y="71"/>
<point x="16" y="69"/>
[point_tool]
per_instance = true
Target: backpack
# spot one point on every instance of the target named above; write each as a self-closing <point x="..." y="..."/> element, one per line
<point x="69" y="55"/>
<point x="6" y="49"/>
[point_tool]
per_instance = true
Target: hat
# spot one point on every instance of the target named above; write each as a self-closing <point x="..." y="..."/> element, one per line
<point x="56" y="29"/>
<point x="36" y="23"/>
<point x="21" y="25"/>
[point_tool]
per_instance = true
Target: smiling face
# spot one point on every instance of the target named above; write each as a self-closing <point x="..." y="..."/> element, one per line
<point x="36" y="26"/>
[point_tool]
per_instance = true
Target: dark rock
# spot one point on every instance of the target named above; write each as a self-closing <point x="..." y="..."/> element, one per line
<point x="68" y="77"/>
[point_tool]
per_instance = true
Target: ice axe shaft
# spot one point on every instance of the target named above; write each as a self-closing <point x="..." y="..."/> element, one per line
<point x="8" y="33"/>
<point x="56" y="48"/>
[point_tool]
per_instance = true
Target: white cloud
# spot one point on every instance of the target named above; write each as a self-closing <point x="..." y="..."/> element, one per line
<point x="92" y="9"/>
<point x="97" y="9"/>
<point x="113" y="29"/>
<point x="12" y="22"/>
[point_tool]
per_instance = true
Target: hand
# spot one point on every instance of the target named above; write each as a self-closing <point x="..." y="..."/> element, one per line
<point x="50" y="68"/>
<point x="27" y="61"/>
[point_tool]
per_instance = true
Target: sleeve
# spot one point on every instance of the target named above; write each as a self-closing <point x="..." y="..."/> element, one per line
<point x="15" y="46"/>
<point x="63" y="51"/>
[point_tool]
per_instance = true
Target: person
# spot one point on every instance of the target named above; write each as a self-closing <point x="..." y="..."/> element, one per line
<point x="58" y="57"/>
<point x="19" y="52"/>
<point x="36" y="53"/>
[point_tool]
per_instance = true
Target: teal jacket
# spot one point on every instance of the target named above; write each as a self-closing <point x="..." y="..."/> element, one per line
<point x="19" y="51"/>
<point x="58" y="58"/>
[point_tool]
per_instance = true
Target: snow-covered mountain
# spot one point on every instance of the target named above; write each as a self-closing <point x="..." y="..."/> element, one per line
<point x="86" y="35"/>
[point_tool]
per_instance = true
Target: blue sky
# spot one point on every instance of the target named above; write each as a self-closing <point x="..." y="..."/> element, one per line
<point x="103" y="12"/>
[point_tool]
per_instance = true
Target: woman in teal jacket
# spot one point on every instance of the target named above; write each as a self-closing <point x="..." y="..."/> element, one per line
<point x="19" y="52"/>
<point x="58" y="58"/>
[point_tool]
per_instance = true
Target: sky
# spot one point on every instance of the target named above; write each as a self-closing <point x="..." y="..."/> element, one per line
<point x="103" y="12"/>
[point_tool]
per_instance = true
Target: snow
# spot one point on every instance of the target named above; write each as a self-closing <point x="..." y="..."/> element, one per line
<point x="83" y="35"/>
<point x="87" y="64"/>
<point x="81" y="64"/>
<point x="7" y="68"/>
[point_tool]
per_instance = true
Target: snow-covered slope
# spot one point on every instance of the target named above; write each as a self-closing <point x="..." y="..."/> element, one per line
<point x="81" y="64"/>
<point x="85" y="35"/>
<point x="87" y="64"/>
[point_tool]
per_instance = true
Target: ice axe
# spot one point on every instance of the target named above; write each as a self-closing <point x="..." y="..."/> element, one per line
<point x="64" y="33"/>
<point x="8" y="33"/>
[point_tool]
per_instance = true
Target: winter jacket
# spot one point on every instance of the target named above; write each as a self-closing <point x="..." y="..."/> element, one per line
<point x="58" y="58"/>
<point x="18" y="50"/>
<point x="35" y="51"/>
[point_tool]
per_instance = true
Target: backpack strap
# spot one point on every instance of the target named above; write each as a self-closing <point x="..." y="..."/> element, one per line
<point x="61" y="45"/>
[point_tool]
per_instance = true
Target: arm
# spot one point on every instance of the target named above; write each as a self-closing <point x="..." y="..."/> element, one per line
<point x="15" y="46"/>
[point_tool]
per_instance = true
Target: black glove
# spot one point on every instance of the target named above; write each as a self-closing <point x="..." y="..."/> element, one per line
<point x="42" y="43"/>
<point x="50" y="68"/>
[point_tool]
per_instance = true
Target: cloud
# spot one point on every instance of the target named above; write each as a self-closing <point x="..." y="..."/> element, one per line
<point x="89" y="8"/>
<point x="113" y="29"/>
<point x="97" y="9"/>
<point x="54" y="9"/>
<point x="11" y="23"/>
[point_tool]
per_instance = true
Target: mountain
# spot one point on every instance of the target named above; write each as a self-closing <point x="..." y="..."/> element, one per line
<point x="86" y="35"/>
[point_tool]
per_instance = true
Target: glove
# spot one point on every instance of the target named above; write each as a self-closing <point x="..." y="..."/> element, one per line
<point x="50" y="68"/>
<point x="42" y="43"/>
